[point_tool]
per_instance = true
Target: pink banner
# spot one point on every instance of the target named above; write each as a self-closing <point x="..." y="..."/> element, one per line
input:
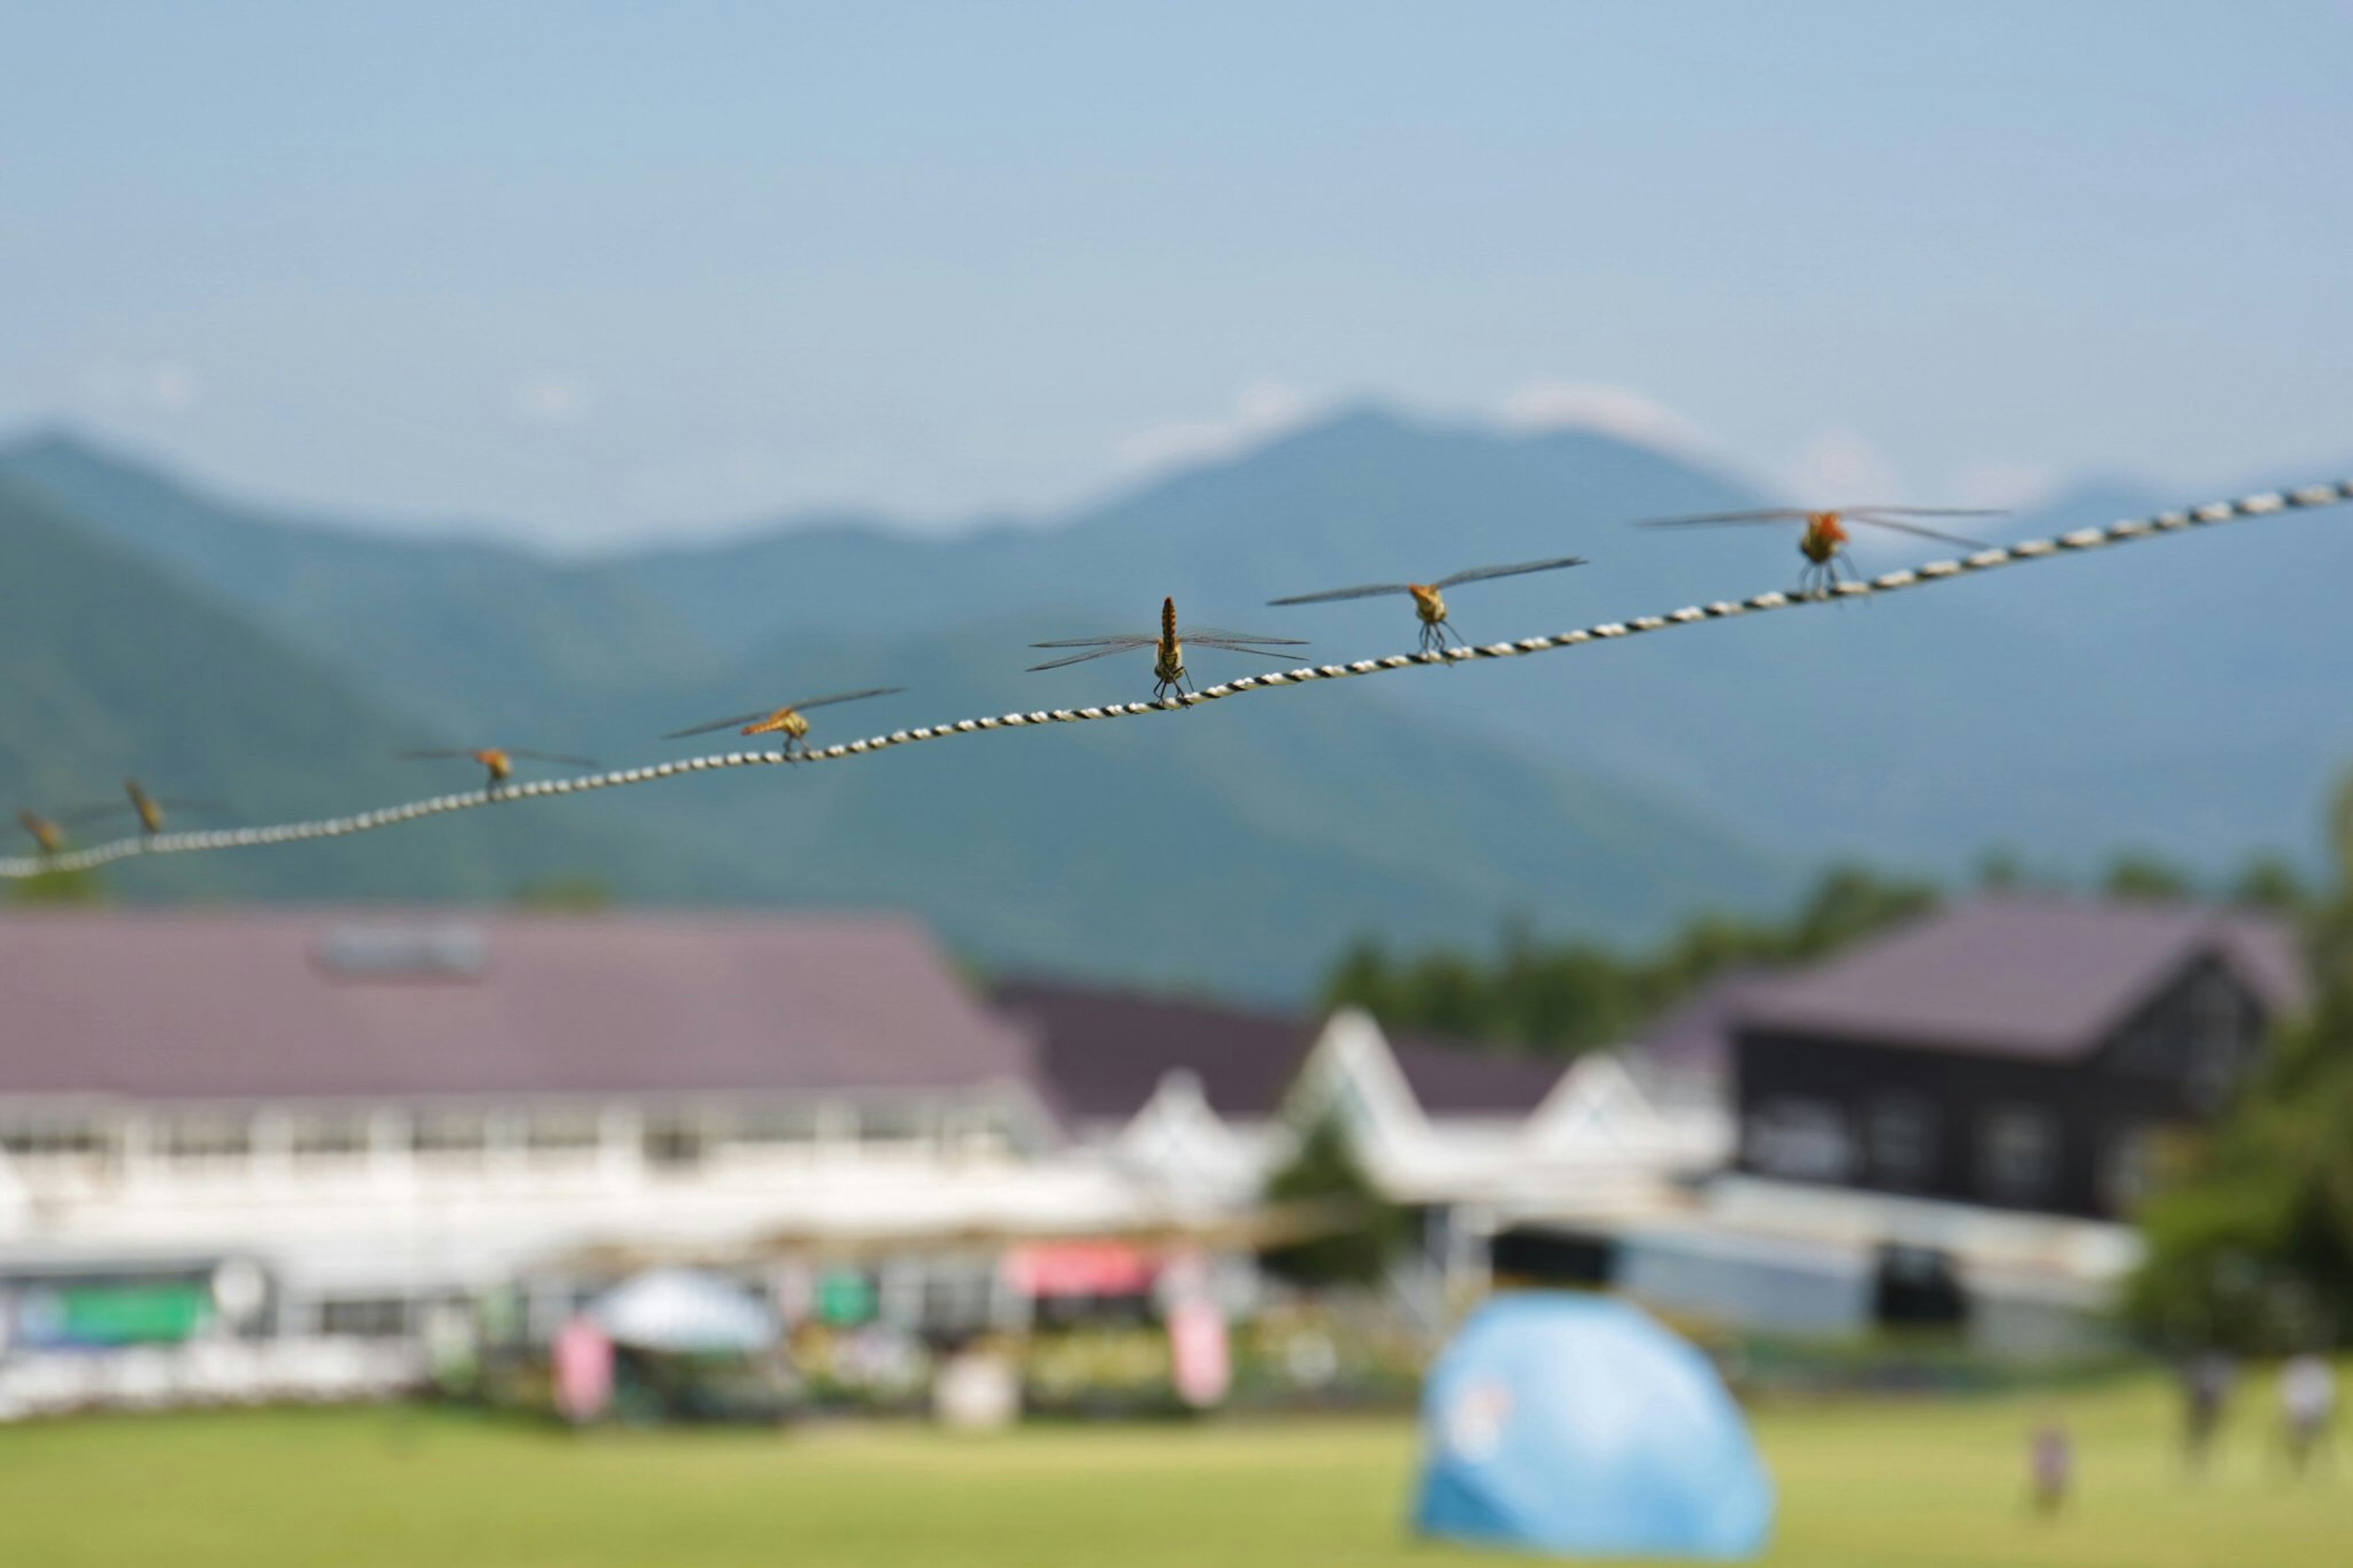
<point x="584" y="1371"/>
<point x="1197" y="1347"/>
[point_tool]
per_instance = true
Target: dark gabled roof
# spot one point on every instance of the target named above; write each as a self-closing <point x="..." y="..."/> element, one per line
<point x="1695" y="1036"/>
<point x="1103" y="1053"/>
<point x="326" y="1003"/>
<point x="1452" y="1078"/>
<point x="2032" y="977"/>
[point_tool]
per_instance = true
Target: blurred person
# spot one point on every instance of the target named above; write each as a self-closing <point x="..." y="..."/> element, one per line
<point x="2307" y="1392"/>
<point x="2207" y="1379"/>
<point x="2050" y="1466"/>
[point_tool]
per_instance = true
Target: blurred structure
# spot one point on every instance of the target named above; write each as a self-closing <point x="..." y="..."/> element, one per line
<point x="319" y="1152"/>
<point x="1949" y="1126"/>
<point x="437" y="1135"/>
<point x="1572" y="1425"/>
<point x="1195" y="1099"/>
<point x="372" y="1117"/>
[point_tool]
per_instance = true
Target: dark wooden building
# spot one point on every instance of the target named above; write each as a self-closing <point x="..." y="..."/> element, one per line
<point x="2029" y="1053"/>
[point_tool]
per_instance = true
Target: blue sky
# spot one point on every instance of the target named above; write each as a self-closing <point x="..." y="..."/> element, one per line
<point x="592" y="273"/>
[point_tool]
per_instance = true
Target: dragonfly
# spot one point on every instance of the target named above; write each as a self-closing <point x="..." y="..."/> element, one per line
<point x="498" y="761"/>
<point x="1823" y="543"/>
<point x="789" y="720"/>
<point x="1169" y="674"/>
<point x="148" y="808"/>
<point x="47" y="834"/>
<point x="1429" y="598"/>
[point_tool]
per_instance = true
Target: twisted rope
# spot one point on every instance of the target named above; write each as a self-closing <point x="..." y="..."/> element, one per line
<point x="2264" y="505"/>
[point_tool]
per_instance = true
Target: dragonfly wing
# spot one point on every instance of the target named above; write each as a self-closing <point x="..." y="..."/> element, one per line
<point x="1915" y="529"/>
<point x="1369" y="591"/>
<point x="441" y="756"/>
<point x="1481" y="573"/>
<point x="552" y="757"/>
<point x="1129" y="640"/>
<point x="1923" y="512"/>
<point x="1218" y="637"/>
<point x="1122" y="647"/>
<point x="848" y="696"/>
<point x="736" y="723"/>
<point x="1708" y="518"/>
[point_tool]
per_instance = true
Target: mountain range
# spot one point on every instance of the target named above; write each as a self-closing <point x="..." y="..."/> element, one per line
<point x="2186" y="696"/>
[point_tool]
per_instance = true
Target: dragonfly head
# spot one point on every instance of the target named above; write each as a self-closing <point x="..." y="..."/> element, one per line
<point x="1825" y="537"/>
<point x="502" y="766"/>
<point x="1428" y="603"/>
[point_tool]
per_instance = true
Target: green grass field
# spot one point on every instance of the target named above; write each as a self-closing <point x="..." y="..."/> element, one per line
<point x="1876" y="1485"/>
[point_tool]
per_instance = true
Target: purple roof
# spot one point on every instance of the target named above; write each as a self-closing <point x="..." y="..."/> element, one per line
<point x="1103" y="1052"/>
<point x="1696" y="1036"/>
<point x="323" y="1004"/>
<point x="2047" y="978"/>
<point x="1451" y="1078"/>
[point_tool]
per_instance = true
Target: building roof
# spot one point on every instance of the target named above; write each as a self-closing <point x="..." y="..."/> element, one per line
<point x="1694" y="1037"/>
<point x="2032" y="977"/>
<point x="1104" y="1053"/>
<point x="324" y="1004"/>
<point x="1452" y="1078"/>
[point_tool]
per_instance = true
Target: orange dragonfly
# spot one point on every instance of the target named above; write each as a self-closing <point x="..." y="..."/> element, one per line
<point x="1168" y="672"/>
<point x="47" y="834"/>
<point x="1429" y="598"/>
<point x="148" y="808"/>
<point x="1823" y="543"/>
<point x="497" y="761"/>
<point x="787" y="720"/>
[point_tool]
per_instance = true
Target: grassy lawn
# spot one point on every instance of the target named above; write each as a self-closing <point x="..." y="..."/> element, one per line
<point x="1873" y="1485"/>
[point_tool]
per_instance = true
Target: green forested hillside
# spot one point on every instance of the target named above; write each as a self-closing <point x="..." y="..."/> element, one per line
<point x="1241" y="847"/>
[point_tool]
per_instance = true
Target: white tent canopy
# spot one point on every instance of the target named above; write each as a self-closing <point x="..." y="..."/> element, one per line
<point x="685" y="1311"/>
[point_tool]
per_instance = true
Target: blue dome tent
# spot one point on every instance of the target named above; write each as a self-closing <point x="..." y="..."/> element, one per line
<point x="1576" y="1425"/>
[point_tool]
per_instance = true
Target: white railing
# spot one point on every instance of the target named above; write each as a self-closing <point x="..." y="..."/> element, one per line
<point x="317" y="1371"/>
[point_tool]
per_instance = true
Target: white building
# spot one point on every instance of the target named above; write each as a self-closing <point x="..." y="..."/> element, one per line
<point x="257" y="1128"/>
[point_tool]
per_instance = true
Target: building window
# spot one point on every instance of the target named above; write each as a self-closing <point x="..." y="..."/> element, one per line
<point x="774" y="1125"/>
<point x="207" y="1139"/>
<point x="2134" y="1162"/>
<point x="895" y="1126"/>
<point x="366" y="1318"/>
<point x="558" y="1133"/>
<point x="977" y="1132"/>
<point x="450" y="1134"/>
<point x="1803" y="1140"/>
<point x="675" y="1141"/>
<point x="326" y="1138"/>
<point x="2219" y="1032"/>
<point x="2019" y="1154"/>
<point x="52" y="1140"/>
<point x="1901" y="1134"/>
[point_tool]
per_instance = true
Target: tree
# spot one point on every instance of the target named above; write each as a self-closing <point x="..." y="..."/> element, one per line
<point x="2251" y="1247"/>
<point x="2138" y="876"/>
<point x="1356" y="1230"/>
<point x="1559" y="1000"/>
<point x="46" y="889"/>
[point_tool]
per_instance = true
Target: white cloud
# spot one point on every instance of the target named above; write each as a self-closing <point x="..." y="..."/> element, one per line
<point x="1630" y="416"/>
<point x="168" y="385"/>
<point x="2013" y="487"/>
<point x="550" y="399"/>
<point x="172" y="385"/>
<point x="1838" y="467"/>
<point x="1260" y="412"/>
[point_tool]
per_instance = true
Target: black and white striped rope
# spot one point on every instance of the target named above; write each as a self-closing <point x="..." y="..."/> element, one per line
<point x="2082" y="540"/>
